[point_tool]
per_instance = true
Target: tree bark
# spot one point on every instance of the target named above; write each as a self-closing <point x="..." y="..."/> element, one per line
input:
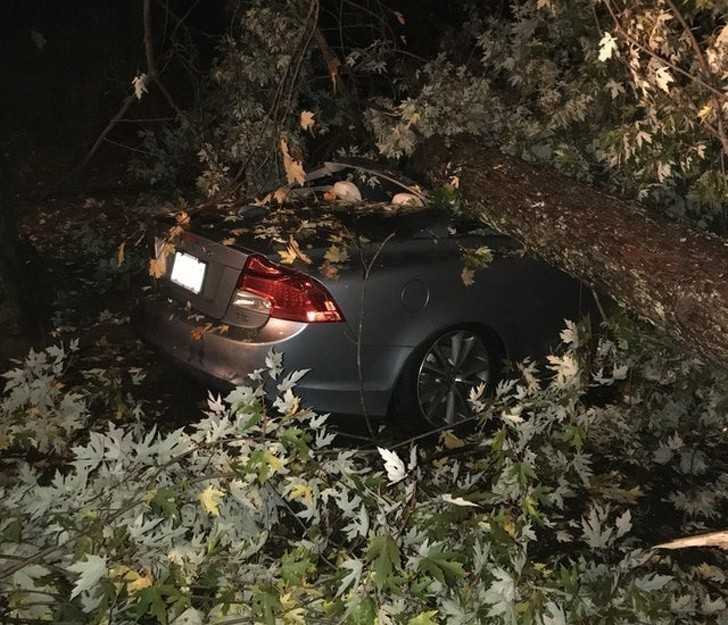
<point x="669" y="274"/>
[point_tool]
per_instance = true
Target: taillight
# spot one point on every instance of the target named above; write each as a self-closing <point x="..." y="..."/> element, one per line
<point x="291" y="295"/>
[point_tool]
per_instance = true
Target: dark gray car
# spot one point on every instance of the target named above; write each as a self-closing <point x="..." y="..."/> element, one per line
<point x="367" y="295"/>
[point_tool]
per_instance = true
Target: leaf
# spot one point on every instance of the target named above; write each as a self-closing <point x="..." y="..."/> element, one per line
<point x="663" y="78"/>
<point x="384" y="553"/>
<point x="288" y="256"/>
<point x="139" y="582"/>
<point x="352" y="578"/>
<point x="139" y="84"/>
<point x="458" y="501"/>
<point x="90" y="571"/>
<point x="439" y="565"/>
<point x="296" y="248"/>
<point x="307" y="120"/>
<point x="280" y="195"/>
<point x="393" y="465"/>
<point x="705" y="112"/>
<point x="120" y="254"/>
<point x="607" y="47"/>
<point x="451" y="441"/>
<point x="467" y="276"/>
<point x="624" y="523"/>
<point x="336" y="254"/>
<point x="293" y="168"/>
<point x="210" y="499"/>
<point x="424" y="618"/>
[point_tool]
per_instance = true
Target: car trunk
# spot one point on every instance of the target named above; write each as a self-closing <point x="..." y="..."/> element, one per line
<point x="225" y="241"/>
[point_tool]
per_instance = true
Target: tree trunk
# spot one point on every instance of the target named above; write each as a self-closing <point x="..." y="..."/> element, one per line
<point x="669" y="274"/>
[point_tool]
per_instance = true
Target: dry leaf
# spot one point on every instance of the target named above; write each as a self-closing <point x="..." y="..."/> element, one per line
<point x="450" y="441"/>
<point x="120" y="254"/>
<point x="330" y="196"/>
<point x="293" y="244"/>
<point x="280" y="194"/>
<point x="183" y="218"/>
<point x="336" y="254"/>
<point x="158" y="266"/>
<point x="294" y="168"/>
<point x="468" y="276"/>
<point x="263" y="201"/>
<point x="288" y="256"/>
<point x="230" y="241"/>
<point x="200" y="331"/>
<point x="329" y="271"/>
<point x="400" y="17"/>
<point x="455" y="182"/>
<point x="307" y="120"/>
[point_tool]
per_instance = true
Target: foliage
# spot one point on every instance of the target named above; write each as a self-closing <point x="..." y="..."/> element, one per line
<point x="251" y="515"/>
<point x="630" y="95"/>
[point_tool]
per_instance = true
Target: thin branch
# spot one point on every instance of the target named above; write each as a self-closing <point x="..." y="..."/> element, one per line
<point x="125" y="105"/>
<point x="151" y="61"/>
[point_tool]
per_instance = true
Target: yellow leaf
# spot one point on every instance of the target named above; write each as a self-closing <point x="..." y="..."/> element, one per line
<point x="273" y="461"/>
<point x="141" y="582"/>
<point x="120" y="254"/>
<point x="468" y="276"/>
<point x="293" y="245"/>
<point x="288" y="256"/>
<point x="294" y="169"/>
<point x="263" y="201"/>
<point x="210" y="499"/>
<point x="307" y="120"/>
<point x="158" y="266"/>
<point x="451" y="441"/>
<point x="705" y="112"/>
<point x="280" y="194"/>
<point x="183" y="218"/>
<point x="336" y="254"/>
<point x="302" y="492"/>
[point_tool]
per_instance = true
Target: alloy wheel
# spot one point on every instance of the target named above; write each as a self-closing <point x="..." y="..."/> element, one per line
<point x="456" y="362"/>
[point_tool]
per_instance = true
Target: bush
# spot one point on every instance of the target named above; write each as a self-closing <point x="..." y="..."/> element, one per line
<point x="546" y="515"/>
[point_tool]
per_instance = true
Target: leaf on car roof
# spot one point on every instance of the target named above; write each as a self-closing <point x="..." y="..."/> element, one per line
<point x="294" y="247"/>
<point x="336" y="254"/>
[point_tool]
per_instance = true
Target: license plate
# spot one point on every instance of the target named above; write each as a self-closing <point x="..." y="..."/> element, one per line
<point x="188" y="272"/>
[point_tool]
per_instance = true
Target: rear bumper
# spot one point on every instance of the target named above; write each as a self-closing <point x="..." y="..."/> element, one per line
<point x="327" y="349"/>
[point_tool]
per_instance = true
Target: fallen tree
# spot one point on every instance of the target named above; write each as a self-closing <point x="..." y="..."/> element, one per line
<point x="669" y="274"/>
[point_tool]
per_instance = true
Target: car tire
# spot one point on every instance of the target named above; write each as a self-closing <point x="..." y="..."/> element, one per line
<point x="434" y="385"/>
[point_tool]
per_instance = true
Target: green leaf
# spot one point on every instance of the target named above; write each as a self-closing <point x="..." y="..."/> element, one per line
<point x="424" y="618"/>
<point x="384" y="552"/>
<point x="440" y="565"/>
<point x="265" y="605"/>
<point x="296" y="566"/>
<point x="363" y="612"/>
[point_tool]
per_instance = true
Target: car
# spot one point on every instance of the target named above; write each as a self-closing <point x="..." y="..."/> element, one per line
<point x="360" y="277"/>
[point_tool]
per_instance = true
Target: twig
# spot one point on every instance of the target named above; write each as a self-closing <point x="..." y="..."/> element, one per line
<point x="125" y="105"/>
